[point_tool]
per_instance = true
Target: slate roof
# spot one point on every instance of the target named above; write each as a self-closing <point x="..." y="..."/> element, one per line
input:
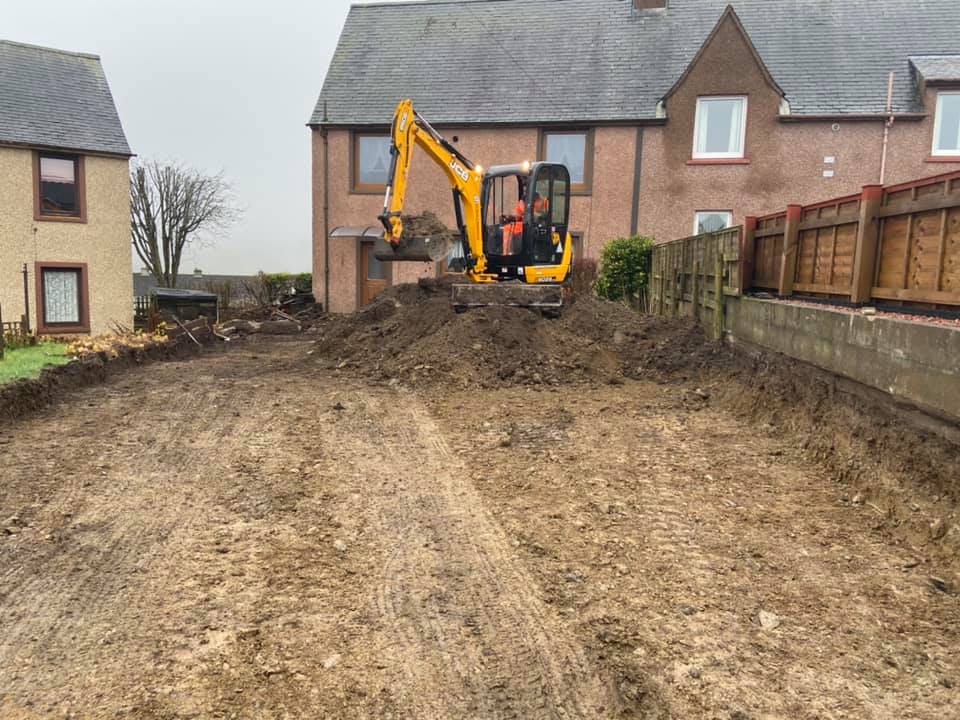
<point x="938" y="68"/>
<point x="542" y="61"/>
<point x="54" y="98"/>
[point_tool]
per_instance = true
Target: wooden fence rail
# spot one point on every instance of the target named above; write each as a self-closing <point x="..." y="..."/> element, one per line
<point x="896" y="243"/>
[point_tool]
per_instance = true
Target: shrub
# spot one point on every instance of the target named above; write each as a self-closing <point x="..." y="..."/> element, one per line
<point x="625" y="269"/>
<point x="303" y="282"/>
<point x="268" y="288"/>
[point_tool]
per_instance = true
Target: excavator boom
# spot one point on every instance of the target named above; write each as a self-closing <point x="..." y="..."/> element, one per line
<point x="408" y="131"/>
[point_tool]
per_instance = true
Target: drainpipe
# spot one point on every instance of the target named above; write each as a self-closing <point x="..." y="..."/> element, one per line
<point x="637" y="170"/>
<point x="26" y="298"/>
<point x="326" y="212"/>
<point x="886" y="129"/>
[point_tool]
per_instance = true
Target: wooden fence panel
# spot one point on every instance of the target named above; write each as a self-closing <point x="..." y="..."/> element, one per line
<point x="923" y="257"/>
<point x="768" y="251"/>
<point x="684" y="276"/>
<point x="826" y="246"/>
<point x="918" y="258"/>
<point x="893" y="250"/>
<point x="846" y="243"/>
<point x="730" y="241"/>
<point x="950" y="264"/>
<point x="898" y="243"/>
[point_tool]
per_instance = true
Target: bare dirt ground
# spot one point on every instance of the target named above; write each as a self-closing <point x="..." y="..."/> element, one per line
<point x="255" y="534"/>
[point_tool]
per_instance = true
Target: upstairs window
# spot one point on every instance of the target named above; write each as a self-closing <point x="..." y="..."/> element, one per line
<point x="720" y="127"/>
<point x="946" y="125"/>
<point x="573" y="148"/>
<point x="371" y="162"/>
<point x="58" y="190"/>
<point x="708" y="221"/>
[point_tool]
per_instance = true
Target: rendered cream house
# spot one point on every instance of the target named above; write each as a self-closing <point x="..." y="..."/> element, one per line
<point x="64" y="194"/>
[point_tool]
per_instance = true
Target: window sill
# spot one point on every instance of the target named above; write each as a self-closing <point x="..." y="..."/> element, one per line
<point x="943" y="159"/>
<point x="718" y="161"/>
<point x="65" y="330"/>
<point x="368" y="190"/>
<point x="60" y="218"/>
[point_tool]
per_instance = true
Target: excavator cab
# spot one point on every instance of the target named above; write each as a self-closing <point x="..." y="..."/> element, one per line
<point x="525" y="210"/>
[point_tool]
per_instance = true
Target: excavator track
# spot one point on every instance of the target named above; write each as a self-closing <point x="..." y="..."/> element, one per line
<point x="547" y="297"/>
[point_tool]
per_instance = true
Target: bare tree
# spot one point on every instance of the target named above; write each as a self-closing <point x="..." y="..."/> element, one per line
<point x="172" y="206"/>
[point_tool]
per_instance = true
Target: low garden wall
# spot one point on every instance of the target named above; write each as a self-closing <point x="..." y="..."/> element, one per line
<point x="912" y="361"/>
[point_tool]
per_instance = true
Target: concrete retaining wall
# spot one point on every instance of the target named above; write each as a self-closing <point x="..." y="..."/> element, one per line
<point x="913" y="362"/>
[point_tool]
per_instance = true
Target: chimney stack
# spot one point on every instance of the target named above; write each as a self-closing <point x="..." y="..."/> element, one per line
<point x="649" y="4"/>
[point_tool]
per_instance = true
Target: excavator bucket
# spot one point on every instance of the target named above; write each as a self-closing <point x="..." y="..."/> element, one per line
<point x="420" y="249"/>
<point x="471" y="295"/>
<point x="424" y="239"/>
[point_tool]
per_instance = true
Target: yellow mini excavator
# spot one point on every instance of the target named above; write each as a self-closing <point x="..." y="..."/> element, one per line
<point x="513" y="247"/>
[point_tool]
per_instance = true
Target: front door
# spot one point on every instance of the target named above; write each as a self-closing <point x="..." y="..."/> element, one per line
<point x="374" y="274"/>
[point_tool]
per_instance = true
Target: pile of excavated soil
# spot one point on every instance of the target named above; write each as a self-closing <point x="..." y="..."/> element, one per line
<point x="412" y="334"/>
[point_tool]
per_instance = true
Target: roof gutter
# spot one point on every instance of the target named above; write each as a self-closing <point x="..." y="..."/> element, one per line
<point x="584" y="123"/>
<point x="853" y="116"/>
<point x="69" y="150"/>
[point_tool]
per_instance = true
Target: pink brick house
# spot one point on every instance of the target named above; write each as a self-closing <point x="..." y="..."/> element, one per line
<point x="672" y="115"/>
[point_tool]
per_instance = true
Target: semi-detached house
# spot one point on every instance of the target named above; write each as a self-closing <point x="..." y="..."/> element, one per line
<point x="674" y="116"/>
<point x="64" y="194"/>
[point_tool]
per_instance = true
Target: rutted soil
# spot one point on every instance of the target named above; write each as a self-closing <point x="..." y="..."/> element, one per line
<point x="23" y="396"/>
<point x="314" y="527"/>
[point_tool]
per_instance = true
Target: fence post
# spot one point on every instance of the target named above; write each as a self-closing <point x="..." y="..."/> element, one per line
<point x="695" y="295"/>
<point x="677" y="281"/>
<point x="663" y="281"/>
<point x="791" y="240"/>
<point x="3" y="334"/>
<point x="748" y="251"/>
<point x="868" y="241"/>
<point x="718" y="300"/>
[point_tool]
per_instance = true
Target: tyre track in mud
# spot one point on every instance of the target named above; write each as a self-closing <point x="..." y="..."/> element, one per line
<point x="97" y="553"/>
<point x="467" y="623"/>
<point x="245" y="547"/>
<point x="137" y="551"/>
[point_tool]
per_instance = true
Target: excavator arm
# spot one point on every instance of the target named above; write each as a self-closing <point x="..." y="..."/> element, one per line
<point x="410" y="130"/>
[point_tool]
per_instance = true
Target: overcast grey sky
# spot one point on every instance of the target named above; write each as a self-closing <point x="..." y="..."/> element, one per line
<point x="216" y="84"/>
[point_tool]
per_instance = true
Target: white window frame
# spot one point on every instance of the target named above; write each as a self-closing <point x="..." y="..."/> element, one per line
<point x="698" y="213"/>
<point x="938" y="115"/>
<point x="697" y="155"/>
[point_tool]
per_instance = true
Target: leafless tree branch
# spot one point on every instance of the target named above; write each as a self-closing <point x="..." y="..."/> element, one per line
<point x="171" y="207"/>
